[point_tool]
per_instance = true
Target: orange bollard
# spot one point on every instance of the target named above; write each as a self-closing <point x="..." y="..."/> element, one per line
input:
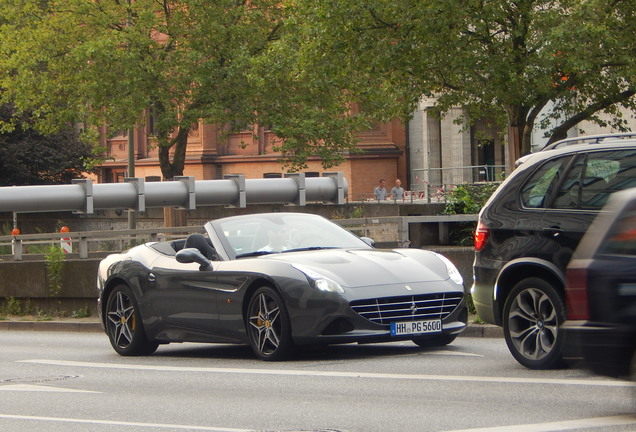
<point x="65" y="242"/>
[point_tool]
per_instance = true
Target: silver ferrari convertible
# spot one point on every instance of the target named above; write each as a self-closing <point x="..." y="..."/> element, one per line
<point x="277" y="281"/>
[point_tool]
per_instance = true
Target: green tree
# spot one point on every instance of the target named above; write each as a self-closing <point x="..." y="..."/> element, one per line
<point x="501" y="59"/>
<point x="28" y="157"/>
<point x="109" y="62"/>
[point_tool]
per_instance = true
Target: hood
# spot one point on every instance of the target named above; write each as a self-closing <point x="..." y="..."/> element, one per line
<point x="369" y="267"/>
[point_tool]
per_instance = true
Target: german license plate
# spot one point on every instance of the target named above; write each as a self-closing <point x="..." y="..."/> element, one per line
<point x="416" y="327"/>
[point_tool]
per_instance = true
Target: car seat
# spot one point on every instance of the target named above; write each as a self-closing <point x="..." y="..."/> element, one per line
<point x="201" y="243"/>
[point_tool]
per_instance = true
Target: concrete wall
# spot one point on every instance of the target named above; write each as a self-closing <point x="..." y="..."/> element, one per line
<point x="29" y="280"/>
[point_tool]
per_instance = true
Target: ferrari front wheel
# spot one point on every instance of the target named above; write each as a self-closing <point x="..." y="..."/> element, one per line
<point x="268" y="325"/>
<point x="123" y="324"/>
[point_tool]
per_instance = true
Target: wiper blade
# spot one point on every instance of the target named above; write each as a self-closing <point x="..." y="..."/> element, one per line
<point x="309" y="248"/>
<point x="255" y="253"/>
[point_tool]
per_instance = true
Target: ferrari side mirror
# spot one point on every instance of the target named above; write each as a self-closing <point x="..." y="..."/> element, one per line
<point x="368" y="241"/>
<point x="190" y="255"/>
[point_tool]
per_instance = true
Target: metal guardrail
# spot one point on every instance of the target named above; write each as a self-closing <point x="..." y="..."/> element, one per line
<point x="90" y="241"/>
<point x="85" y="242"/>
<point x="431" y="195"/>
<point x="433" y="182"/>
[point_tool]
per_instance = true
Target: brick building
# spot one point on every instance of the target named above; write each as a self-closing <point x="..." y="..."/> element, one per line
<point x="211" y="154"/>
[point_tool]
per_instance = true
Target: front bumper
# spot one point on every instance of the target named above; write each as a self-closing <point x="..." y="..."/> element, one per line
<point x="605" y="348"/>
<point x="361" y="330"/>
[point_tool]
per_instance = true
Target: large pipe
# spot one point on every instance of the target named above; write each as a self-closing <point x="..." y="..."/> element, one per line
<point x="184" y="192"/>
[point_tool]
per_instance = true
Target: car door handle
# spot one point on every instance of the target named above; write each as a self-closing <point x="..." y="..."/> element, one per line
<point x="151" y="277"/>
<point x="552" y="231"/>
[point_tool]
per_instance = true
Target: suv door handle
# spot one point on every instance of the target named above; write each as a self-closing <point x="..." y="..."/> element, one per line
<point x="552" y="231"/>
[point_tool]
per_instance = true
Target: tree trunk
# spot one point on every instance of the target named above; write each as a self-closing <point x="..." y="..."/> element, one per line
<point x="514" y="145"/>
<point x="173" y="217"/>
<point x="518" y="134"/>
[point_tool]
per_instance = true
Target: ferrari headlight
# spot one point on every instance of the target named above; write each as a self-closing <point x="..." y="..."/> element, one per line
<point x="453" y="273"/>
<point x="319" y="281"/>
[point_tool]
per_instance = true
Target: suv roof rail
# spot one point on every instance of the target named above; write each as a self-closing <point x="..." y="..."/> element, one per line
<point x="589" y="139"/>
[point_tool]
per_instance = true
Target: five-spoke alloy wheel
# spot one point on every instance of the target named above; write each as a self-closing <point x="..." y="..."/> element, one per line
<point x="123" y="324"/>
<point x="268" y="325"/>
<point x="532" y="318"/>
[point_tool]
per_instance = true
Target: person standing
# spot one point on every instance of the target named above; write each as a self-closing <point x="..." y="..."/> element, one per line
<point x="397" y="193"/>
<point x="380" y="191"/>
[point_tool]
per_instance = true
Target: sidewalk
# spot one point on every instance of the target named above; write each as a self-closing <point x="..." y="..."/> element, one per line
<point x="91" y="325"/>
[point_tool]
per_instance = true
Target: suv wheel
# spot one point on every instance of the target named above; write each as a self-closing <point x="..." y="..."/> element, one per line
<point x="532" y="318"/>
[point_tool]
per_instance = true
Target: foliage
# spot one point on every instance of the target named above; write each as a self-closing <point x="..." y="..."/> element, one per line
<point x="358" y="212"/>
<point x="314" y="71"/>
<point x="83" y="312"/>
<point x="5" y="229"/>
<point x="54" y="266"/>
<point x="348" y="212"/>
<point x="503" y="60"/>
<point x="468" y="198"/>
<point x="28" y="157"/>
<point x="14" y="306"/>
<point x="470" y="304"/>
<point x="118" y="63"/>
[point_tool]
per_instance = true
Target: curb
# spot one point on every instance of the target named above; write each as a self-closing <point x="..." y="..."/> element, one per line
<point x="483" y="330"/>
<point x="479" y="330"/>
<point x="62" y="326"/>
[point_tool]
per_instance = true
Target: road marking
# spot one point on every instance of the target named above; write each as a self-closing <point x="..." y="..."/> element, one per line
<point x="622" y="420"/>
<point x="39" y="388"/>
<point x="122" y="423"/>
<point x="449" y="353"/>
<point x="335" y="374"/>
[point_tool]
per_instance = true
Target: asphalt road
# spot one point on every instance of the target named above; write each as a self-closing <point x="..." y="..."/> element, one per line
<point x="73" y="381"/>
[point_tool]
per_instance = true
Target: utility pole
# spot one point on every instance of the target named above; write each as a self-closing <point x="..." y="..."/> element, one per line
<point x="132" y="216"/>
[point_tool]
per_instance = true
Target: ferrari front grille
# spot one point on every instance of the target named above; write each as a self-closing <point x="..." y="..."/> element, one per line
<point x="407" y="308"/>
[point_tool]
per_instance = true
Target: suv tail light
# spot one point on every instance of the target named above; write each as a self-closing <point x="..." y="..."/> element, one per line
<point x="481" y="236"/>
<point x="577" y="301"/>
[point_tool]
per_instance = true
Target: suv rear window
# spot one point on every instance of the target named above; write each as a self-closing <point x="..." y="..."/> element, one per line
<point x="537" y="190"/>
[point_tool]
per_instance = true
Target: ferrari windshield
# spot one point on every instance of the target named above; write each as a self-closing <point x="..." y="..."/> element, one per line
<point x="282" y="232"/>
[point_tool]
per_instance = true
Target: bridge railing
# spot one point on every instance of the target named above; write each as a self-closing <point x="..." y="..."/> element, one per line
<point x="84" y="242"/>
<point x="392" y="229"/>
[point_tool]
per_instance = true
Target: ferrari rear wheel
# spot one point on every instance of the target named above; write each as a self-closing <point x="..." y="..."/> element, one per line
<point x="435" y="341"/>
<point x="123" y="324"/>
<point x="268" y="325"/>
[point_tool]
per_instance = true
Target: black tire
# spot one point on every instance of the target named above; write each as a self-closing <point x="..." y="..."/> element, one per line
<point x="532" y="319"/>
<point x="123" y="324"/>
<point x="435" y="341"/>
<point x="268" y="326"/>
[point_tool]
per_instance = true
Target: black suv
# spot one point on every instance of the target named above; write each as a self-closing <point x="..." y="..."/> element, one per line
<point x="528" y="230"/>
